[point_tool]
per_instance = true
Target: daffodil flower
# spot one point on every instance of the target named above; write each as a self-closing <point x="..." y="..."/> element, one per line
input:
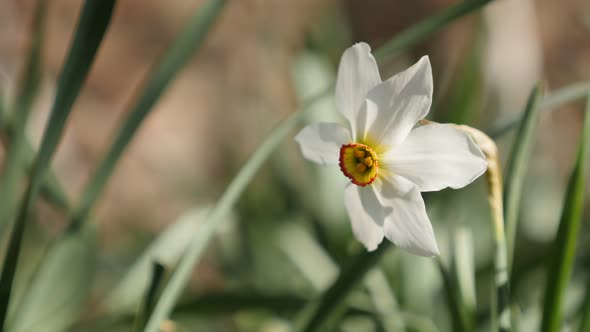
<point x="387" y="157"/>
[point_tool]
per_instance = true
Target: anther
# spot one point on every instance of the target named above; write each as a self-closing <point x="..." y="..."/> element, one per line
<point x="361" y="167"/>
<point x="368" y="161"/>
<point x="359" y="153"/>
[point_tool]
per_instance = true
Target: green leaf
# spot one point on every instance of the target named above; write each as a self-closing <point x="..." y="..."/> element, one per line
<point x="150" y="296"/>
<point x="459" y="316"/>
<point x="467" y="91"/>
<point x="560" y="265"/>
<point x="12" y="171"/>
<point x="307" y="255"/>
<point x="518" y="161"/>
<point x="326" y="311"/>
<point x="551" y="101"/>
<point x="585" y="323"/>
<point x="384" y="301"/>
<point x="166" y="249"/>
<point x="61" y="286"/>
<point x="419" y="31"/>
<point x="464" y="270"/>
<point x="96" y="15"/>
<point x="188" y="42"/>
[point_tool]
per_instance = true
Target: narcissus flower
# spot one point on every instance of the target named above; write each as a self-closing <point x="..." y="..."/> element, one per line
<point x="387" y="157"/>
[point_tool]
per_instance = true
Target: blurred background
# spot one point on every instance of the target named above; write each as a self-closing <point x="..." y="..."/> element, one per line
<point x="262" y="58"/>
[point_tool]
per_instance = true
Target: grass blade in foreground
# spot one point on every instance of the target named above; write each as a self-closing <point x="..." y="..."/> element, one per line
<point x="459" y="318"/>
<point x="61" y="286"/>
<point x="12" y="170"/>
<point x="95" y="18"/>
<point x="564" y="248"/>
<point x="158" y="272"/>
<point x="179" y="278"/>
<point x="585" y="323"/>
<point x="555" y="99"/>
<point x="522" y="149"/>
<point x="325" y="312"/>
<point x="189" y="41"/>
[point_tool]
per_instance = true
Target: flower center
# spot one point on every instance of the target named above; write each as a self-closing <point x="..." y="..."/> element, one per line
<point x="359" y="163"/>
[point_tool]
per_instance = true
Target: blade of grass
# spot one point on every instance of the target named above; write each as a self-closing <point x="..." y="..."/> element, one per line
<point x="405" y="39"/>
<point x="468" y="89"/>
<point x="522" y="148"/>
<point x="60" y="287"/>
<point x="96" y="15"/>
<point x="186" y="44"/>
<point x="158" y="271"/>
<point x="324" y="313"/>
<point x="585" y="322"/>
<point x="560" y="265"/>
<point x="166" y="249"/>
<point x="384" y="301"/>
<point x="51" y="188"/>
<point x="29" y="87"/>
<point x="434" y="23"/>
<point x="464" y="273"/>
<point x="555" y="99"/>
<point x="459" y="319"/>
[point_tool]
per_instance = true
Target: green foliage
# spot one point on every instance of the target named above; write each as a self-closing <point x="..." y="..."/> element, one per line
<point x="93" y="23"/>
<point x="61" y="286"/>
<point x="520" y="155"/>
<point x="560" y="265"/>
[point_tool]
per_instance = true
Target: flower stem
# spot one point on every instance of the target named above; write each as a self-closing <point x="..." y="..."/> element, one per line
<point x="495" y="193"/>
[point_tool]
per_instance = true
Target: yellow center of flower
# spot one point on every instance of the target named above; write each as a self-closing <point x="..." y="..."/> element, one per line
<point x="359" y="163"/>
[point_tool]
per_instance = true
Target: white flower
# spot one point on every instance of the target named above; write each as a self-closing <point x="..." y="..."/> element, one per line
<point x="387" y="158"/>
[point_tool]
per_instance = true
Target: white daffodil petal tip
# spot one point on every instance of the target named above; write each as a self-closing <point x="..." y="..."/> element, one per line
<point x="406" y="223"/>
<point x="357" y="74"/>
<point x="399" y="103"/>
<point x="364" y="227"/>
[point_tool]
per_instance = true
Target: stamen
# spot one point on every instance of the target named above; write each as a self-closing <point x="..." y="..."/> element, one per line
<point x="359" y="162"/>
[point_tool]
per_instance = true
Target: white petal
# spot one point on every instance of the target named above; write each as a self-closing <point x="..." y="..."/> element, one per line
<point x="321" y="142"/>
<point x="364" y="226"/>
<point x="407" y="226"/>
<point x="399" y="103"/>
<point x="357" y="74"/>
<point x="437" y="156"/>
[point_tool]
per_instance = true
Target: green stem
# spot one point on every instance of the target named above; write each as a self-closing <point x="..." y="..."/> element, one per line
<point x="564" y="247"/>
